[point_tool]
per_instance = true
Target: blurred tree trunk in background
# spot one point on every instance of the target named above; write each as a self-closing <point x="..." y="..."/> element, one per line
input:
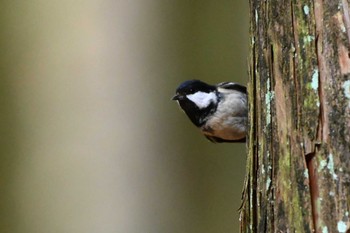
<point x="298" y="176"/>
<point x="90" y="141"/>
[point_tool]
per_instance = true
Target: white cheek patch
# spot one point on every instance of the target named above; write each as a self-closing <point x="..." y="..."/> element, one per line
<point x="202" y="99"/>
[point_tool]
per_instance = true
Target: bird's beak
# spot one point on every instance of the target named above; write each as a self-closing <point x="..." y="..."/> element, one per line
<point x="176" y="97"/>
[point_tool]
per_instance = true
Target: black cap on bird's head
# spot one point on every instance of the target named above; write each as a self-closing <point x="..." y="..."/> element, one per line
<point x="190" y="87"/>
<point x="197" y="99"/>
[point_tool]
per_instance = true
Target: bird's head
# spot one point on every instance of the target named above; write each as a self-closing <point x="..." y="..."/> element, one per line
<point x="197" y="99"/>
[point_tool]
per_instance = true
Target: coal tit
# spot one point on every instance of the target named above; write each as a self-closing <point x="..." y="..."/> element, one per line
<point x="219" y="111"/>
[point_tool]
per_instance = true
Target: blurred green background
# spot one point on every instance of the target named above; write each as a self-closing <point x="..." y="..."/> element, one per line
<point x="90" y="140"/>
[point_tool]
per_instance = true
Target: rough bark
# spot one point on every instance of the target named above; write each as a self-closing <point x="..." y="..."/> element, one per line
<point x="298" y="167"/>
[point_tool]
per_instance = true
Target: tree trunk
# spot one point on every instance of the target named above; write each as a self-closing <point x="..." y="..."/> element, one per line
<point x="298" y="169"/>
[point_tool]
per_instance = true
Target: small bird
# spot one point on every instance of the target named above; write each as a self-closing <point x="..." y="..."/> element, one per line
<point x="220" y="111"/>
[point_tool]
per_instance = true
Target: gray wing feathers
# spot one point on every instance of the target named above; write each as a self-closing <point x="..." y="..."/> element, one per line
<point x="232" y="86"/>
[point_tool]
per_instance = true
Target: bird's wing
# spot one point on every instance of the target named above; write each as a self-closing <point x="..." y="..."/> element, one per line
<point x="232" y="86"/>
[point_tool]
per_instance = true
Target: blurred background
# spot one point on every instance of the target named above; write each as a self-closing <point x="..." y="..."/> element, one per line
<point x="90" y="140"/>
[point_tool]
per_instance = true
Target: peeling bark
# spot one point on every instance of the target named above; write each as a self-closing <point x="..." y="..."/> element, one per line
<point x="298" y="167"/>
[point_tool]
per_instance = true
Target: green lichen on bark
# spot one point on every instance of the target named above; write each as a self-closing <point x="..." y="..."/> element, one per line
<point x="299" y="99"/>
<point x="306" y="69"/>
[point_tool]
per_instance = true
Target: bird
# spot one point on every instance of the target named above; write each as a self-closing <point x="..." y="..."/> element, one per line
<point x="220" y="111"/>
